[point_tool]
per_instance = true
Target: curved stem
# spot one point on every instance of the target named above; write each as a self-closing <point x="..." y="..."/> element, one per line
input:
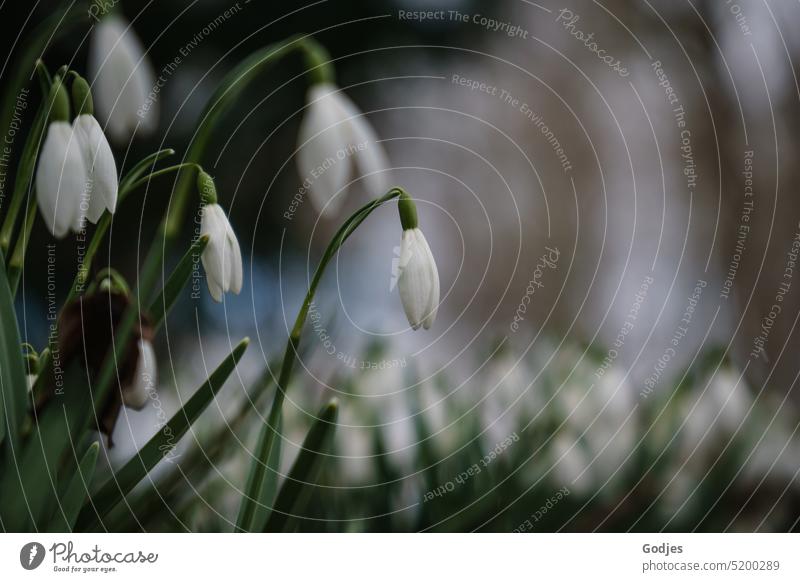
<point x="105" y="222"/>
<point x="252" y="516"/>
<point x="225" y="96"/>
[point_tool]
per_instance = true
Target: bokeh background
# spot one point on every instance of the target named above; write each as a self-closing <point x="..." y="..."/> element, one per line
<point x="625" y="396"/>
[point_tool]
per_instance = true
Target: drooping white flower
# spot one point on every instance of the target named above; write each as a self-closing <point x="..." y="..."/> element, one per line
<point x="101" y="169"/>
<point x="61" y="180"/>
<point x="418" y="280"/>
<point x="122" y="79"/>
<point x="222" y="259"/>
<point x="335" y="139"/>
<point x="135" y="396"/>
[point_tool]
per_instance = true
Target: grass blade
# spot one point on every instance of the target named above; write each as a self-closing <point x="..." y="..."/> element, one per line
<point x="179" y="278"/>
<point x="76" y="493"/>
<point x="13" y="386"/>
<point x="297" y="488"/>
<point x="124" y="480"/>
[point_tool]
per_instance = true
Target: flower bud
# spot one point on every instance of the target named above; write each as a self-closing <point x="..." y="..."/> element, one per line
<point x="206" y="187"/>
<point x="59" y="101"/>
<point x="82" y="96"/>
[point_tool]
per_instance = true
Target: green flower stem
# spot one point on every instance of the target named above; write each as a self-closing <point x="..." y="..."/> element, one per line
<point x="250" y="516"/>
<point x="225" y="97"/>
<point x="18" y="257"/>
<point x="104" y="223"/>
<point x="27" y="162"/>
<point x="162" y="172"/>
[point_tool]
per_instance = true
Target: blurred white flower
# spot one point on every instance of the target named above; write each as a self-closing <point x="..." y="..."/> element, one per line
<point x="222" y="259"/>
<point x="418" y="280"/>
<point x="136" y="395"/>
<point x="101" y="170"/>
<point x="122" y="79"/>
<point x="334" y="139"/>
<point x="61" y="180"/>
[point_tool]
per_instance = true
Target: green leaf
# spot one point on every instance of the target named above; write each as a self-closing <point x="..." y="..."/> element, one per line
<point x="124" y="480"/>
<point x="161" y="305"/>
<point x="27" y="163"/>
<point x="13" y="385"/>
<point x="299" y="483"/>
<point x="29" y="482"/>
<point x="76" y="493"/>
<point x="257" y="499"/>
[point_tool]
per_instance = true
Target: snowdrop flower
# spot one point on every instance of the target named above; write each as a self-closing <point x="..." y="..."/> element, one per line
<point x="144" y="380"/>
<point x="222" y="259"/>
<point x="334" y="139"/>
<point x="122" y="77"/>
<point x="61" y="176"/>
<point x="98" y="159"/>
<point x="418" y="278"/>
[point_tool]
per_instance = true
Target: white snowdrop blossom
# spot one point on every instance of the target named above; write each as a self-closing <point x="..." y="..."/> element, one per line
<point x="122" y="79"/>
<point x="61" y="180"/>
<point x="135" y="396"/>
<point x="335" y="139"/>
<point x="99" y="164"/>
<point x="418" y="280"/>
<point x="222" y="258"/>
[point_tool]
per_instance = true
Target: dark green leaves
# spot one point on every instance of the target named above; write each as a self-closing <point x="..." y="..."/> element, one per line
<point x="76" y="492"/>
<point x="158" y="447"/>
<point x="13" y="387"/>
<point x="299" y="483"/>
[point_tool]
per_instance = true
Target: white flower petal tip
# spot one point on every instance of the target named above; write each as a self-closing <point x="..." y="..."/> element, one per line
<point x="61" y="180"/>
<point x="123" y="79"/>
<point x="100" y="166"/>
<point x="418" y="280"/>
<point x="334" y="140"/>
<point x="135" y="396"/>
<point x="222" y="257"/>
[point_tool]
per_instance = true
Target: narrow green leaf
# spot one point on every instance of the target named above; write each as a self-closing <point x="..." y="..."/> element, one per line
<point x="262" y="481"/>
<point x="299" y="484"/>
<point x="179" y="278"/>
<point x="27" y="164"/>
<point x="124" y="480"/>
<point x="76" y="493"/>
<point x="29" y="481"/>
<point x="13" y="386"/>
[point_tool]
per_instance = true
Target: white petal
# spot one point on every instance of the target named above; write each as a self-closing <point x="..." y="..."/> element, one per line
<point x="432" y="306"/>
<point x="372" y="162"/>
<point x="211" y="258"/>
<point x="60" y="180"/>
<point x="222" y="258"/>
<point x="135" y="396"/>
<point x="122" y="78"/>
<point x="100" y="166"/>
<point x="417" y="283"/>
<point x="322" y="134"/>
<point x="235" y="260"/>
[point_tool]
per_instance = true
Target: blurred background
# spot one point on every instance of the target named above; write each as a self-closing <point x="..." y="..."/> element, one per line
<point x="609" y="191"/>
